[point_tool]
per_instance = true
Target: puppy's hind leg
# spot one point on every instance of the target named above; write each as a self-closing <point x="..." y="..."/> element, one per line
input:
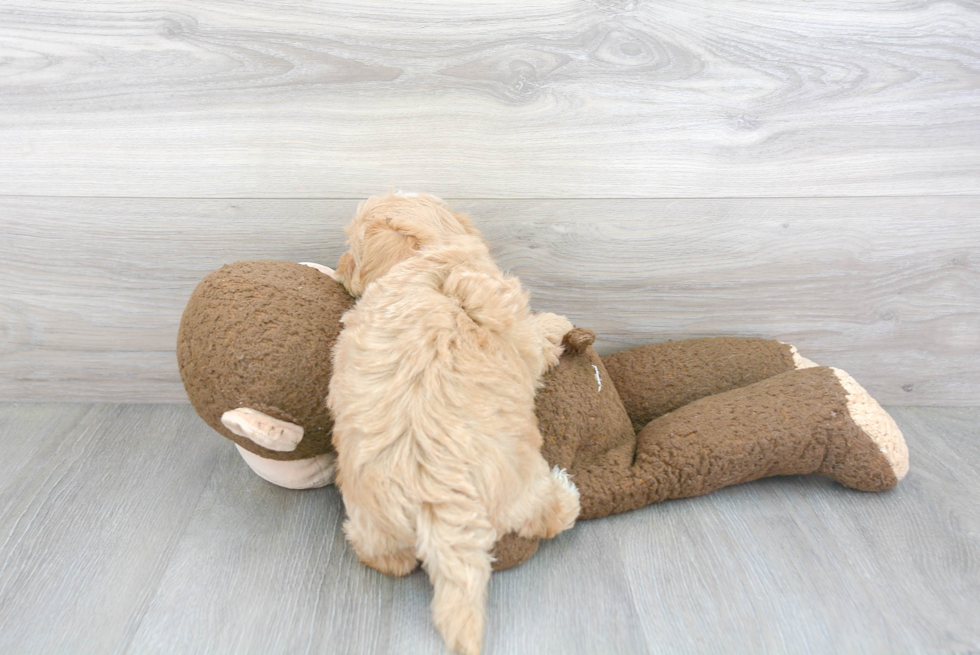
<point x="552" y="328"/>
<point x="381" y="545"/>
<point x="454" y="542"/>
<point x="553" y="505"/>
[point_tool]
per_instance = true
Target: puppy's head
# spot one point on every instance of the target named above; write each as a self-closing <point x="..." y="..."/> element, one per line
<point x="391" y="228"/>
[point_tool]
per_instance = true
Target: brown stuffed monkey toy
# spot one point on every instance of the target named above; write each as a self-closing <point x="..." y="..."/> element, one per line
<point x="655" y="422"/>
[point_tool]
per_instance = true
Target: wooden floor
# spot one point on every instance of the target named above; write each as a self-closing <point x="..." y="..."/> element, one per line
<point x="135" y="529"/>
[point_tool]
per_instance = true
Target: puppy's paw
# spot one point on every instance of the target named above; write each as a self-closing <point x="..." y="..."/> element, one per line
<point x="552" y="329"/>
<point x="376" y="548"/>
<point x="565" y="506"/>
<point x="395" y="564"/>
<point x="558" y="510"/>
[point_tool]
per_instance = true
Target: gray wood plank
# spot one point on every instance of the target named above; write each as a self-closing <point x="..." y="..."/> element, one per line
<point x="802" y="565"/>
<point x="91" y="290"/>
<point x="565" y="99"/>
<point x="23" y="428"/>
<point x="156" y="565"/>
<point x="88" y="521"/>
<point x="573" y="596"/>
<point x="267" y="570"/>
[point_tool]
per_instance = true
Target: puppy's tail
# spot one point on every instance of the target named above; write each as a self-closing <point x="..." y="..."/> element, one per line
<point x="454" y="540"/>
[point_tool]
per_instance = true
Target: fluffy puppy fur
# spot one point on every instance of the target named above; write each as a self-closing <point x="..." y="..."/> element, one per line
<point x="432" y="394"/>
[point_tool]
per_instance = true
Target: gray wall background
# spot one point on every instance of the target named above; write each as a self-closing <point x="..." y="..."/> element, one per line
<point x="801" y="171"/>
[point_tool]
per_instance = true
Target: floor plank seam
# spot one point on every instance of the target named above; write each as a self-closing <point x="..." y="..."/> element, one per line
<point x="172" y="547"/>
<point x="6" y="546"/>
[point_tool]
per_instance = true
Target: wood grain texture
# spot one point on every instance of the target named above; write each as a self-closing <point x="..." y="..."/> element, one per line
<point x="493" y="99"/>
<point x="91" y="290"/>
<point x="812" y="568"/>
<point x="138" y="530"/>
<point x="89" y="520"/>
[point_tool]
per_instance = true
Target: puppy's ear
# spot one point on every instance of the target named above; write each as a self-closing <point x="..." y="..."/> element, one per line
<point x="345" y="266"/>
<point x="386" y="243"/>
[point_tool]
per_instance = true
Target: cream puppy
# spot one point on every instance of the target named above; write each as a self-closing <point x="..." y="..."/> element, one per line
<point x="433" y="387"/>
